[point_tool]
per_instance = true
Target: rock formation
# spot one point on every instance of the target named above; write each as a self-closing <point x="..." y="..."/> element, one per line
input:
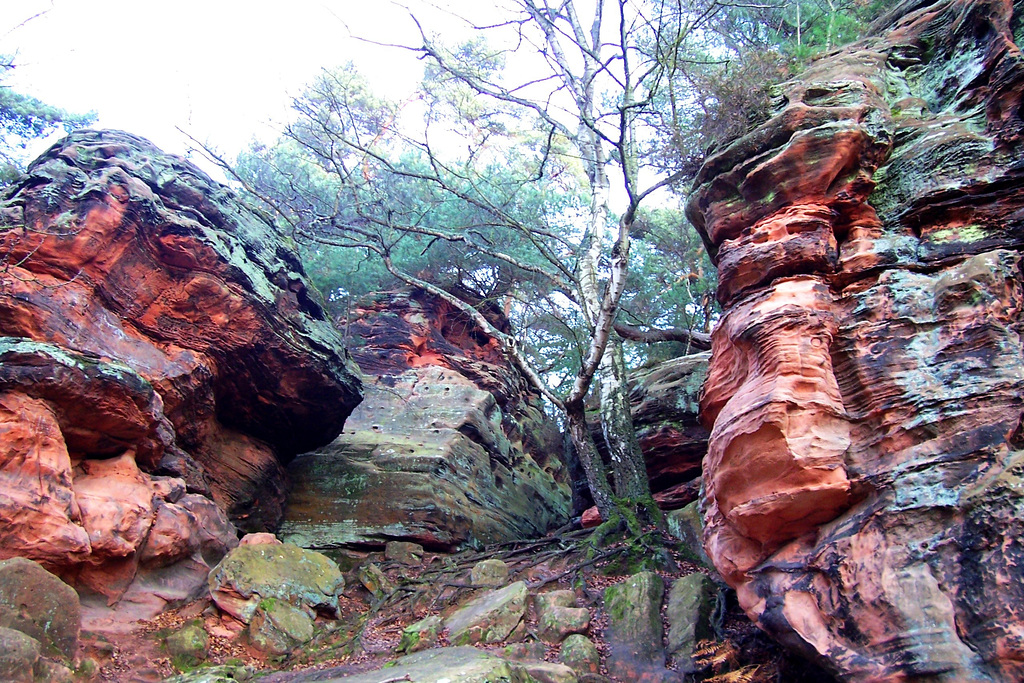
<point x="449" y="446"/>
<point x="864" y="488"/>
<point x="664" y="403"/>
<point x="160" y="348"/>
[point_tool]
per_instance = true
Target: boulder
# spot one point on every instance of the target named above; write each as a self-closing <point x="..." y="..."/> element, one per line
<point x="525" y="651"/>
<point x="580" y="654"/>
<point x="37" y="603"/>
<point x="19" y="654"/>
<point x="635" y="632"/>
<point x="157" y="339"/>
<point x="422" y="635"/>
<point x="863" y="489"/>
<point x="189" y="644"/>
<point x="686" y="525"/>
<point x="462" y="664"/>
<point x="691" y="604"/>
<point x="277" y="627"/>
<point x="250" y="574"/>
<point x="558" y="616"/>
<point x="374" y="580"/>
<point x="550" y="672"/>
<point x="449" y="448"/>
<point x="492" y="573"/>
<point x="488" y="618"/>
<point x="223" y="673"/>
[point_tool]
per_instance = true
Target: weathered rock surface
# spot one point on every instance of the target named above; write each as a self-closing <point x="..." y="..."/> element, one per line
<point x="160" y="347"/>
<point x="19" y="654"/>
<point x="464" y="664"/>
<point x="250" y="574"/>
<point x="37" y="603"/>
<point x="558" y="616"/>
<point x="635" y="631"/>
<point x="580" y="654"/>
<point x="691" y="603"/>
<point x="277" y="627"/>
<point x="863" y="483"/>
<point x="488" y="618"/>
<point x="421" y="635"/>
<point x="664" y="401"/>
<point x="448" y="448"/>
<point x="190" y="644"/>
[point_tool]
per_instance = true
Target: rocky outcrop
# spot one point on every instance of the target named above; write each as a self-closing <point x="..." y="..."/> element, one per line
<point x="664" y="401"/>
<point x="449" y="447"/>
<point x="160" y="351"/>
<point x="863" y="486"/>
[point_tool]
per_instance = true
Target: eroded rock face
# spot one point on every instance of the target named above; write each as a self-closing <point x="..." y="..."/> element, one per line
<point x="160" y="351"/>
<point x="449" y="446"/>
<point x="664" y="401"/>
<point x="864" y="476"/>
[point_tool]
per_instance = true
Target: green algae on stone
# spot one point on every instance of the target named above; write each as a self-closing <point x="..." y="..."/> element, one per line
<point x="421" y="635"/>
<point x="251" y="573"/>
<point x="453" y="664"/>
<point x="188" y="645"/>
<point x="277" y="627"/>
<point x="580" y="653"/>
<point x="489" y="618"/>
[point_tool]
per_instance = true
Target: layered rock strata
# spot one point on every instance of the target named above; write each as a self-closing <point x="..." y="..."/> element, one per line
<point x="161" y="357"/>
<point x="449" y="448"/>
<point x="863" y="485"/>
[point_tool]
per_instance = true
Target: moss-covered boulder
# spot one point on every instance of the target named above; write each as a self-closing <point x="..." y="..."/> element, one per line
<point x="250" y="574"/>
<point x="37" y="603"/>
<point x="19" y="653"/>
<point x="489" y="618"/>
<point x="635" y="630"/>
<point x="685" y="524"/>
<point x="691" y="603"/>
<point x="580" y="653"/>
<point x="277" y="627"/>
<point x="453" y="664"/>
<point x="558" y="616"/>
<point x="189" y="645"/>
<point x="422" y="635"/>
<point x="492" y="572"/>
<point x="550" y="672"/>
<point x="223" y="673"/>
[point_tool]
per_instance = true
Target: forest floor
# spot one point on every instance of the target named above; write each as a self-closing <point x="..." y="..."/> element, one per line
<point x="367" y="631"/>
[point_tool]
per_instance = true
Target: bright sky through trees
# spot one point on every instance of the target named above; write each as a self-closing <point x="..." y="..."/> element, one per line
<point x="220" y="69"/>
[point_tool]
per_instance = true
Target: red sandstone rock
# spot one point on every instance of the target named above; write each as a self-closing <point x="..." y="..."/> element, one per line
<point x="159" y="346"/>
<point x="863" y="486"/>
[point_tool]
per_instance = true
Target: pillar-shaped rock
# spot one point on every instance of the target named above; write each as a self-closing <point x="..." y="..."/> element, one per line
<point x="863" y="485"/>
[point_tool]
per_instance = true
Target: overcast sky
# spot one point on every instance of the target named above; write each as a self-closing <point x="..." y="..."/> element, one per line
<point x="221" y="69"/>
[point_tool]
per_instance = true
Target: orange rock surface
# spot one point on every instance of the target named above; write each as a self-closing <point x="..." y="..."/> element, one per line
<point x="161" y="358"/>
<point x="864" y="484"/>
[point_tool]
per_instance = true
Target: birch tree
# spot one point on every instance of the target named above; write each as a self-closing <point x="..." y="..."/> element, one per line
<point x="551" y="99"/>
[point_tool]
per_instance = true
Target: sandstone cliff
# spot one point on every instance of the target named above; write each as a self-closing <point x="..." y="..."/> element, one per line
<point x="450" y="446"/>
<point x="864" y="488"/>
<point x="160" y="349"/>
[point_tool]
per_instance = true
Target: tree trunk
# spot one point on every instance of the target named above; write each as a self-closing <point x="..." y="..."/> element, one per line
<point x="629" y="472"/>
<point x="586" y="450"/>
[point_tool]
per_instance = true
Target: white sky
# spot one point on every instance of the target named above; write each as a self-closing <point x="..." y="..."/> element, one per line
<point x="221" y="69"/>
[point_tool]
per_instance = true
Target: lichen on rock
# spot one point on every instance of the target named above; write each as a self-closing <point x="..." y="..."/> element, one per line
<point x="864" y="394"/>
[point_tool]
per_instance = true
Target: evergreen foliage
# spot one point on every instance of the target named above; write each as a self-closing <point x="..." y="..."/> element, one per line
<point x="23" y="119"/>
